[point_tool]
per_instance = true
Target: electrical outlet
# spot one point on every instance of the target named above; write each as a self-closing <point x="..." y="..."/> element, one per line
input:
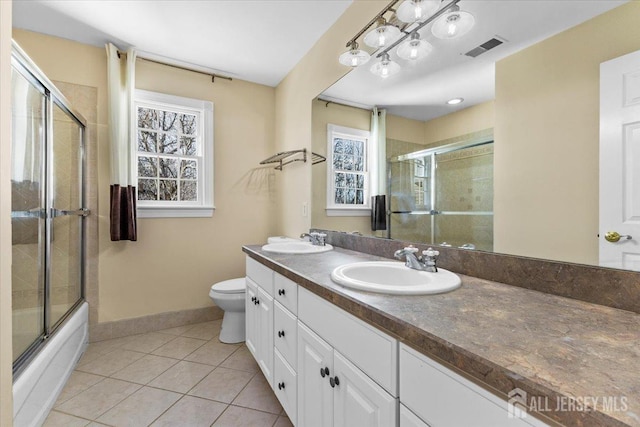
<point x="305" y="209"/>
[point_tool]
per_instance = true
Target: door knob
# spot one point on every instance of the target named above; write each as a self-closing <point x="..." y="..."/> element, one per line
<point x="614" y="236"/>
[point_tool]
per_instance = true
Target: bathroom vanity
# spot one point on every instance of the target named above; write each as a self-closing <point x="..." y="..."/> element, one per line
<point x="336" y="356"/>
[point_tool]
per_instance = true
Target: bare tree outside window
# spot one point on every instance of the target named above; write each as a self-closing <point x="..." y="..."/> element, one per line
<point x="168" y="150"/>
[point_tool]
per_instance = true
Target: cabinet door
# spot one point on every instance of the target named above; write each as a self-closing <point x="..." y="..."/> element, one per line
<point x="315" y="395"/>
<point x="265" y="334"/>
<point x="359" y="401"/>
<point x="251" y="313"/>
<point x="409" y="419"/>
<point x="285" y="332"/>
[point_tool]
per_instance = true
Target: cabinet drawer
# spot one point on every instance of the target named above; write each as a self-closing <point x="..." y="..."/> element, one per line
<point x="260" y="274"/>
<point x="285" y="386"/>
<point x="444" y="398"/>
<point x="370" y="349"/>
<point x="285" y="333"/>
<point x="409" y="419"/>
<point x="286" y="292"/>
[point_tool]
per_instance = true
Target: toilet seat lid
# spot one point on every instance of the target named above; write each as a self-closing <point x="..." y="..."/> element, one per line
<point x="233" y="286"/>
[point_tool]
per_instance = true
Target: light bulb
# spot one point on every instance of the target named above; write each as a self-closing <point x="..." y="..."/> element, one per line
<point x="382" y="35"/>
<point x="354" y="57"/>
<point x="386" y="67"/>
<point x="414" y="48"/>
<point x="416" y="10"/>
<point x="454" y="23"/>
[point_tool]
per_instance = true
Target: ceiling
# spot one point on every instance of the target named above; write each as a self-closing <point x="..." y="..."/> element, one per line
<point x="420" y="90"/>
<point x="259" y="41"/>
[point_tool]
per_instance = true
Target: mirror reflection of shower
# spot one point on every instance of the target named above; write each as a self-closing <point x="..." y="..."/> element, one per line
<point x="443" y="195"/>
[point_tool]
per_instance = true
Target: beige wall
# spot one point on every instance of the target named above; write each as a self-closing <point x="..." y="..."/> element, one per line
<point x="462" y="122"/>
<point x="175" y="261"/>
<point x="6" y="358"/>
<point x="547" y="133"/>
<point x="315" y="72"/>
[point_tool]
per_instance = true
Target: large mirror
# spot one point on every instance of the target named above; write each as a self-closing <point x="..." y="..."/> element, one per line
<point x="515" y="167"/>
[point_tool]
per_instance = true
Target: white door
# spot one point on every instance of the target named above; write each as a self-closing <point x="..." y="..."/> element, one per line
<point x="315" y="395"/>
<point x="358" y="400"/>
<point x="620" y="162"/>
<point x="251" y="313"/>
<point x="265" y="334"/>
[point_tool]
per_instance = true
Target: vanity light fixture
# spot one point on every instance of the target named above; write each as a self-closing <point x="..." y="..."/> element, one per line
<point x="454" y="23"/>
<point x="414" y="48"/>
<point x="385" y="67"/>
<point x="447" y="22"/>
<point x="411" y="11"/>
<point x="383" y="35"/>
<point x="354" y="56"/>
<point x="455" y="101"/>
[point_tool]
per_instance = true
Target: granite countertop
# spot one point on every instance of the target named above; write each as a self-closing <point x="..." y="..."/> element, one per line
<point x="558" y="350"/>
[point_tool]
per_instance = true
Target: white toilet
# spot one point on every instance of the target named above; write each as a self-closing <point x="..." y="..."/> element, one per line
<point x="229" y="296"/>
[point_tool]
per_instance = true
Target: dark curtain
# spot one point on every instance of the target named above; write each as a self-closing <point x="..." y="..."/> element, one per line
<point x="378" y="212"/>
<point x="123" y="213"/>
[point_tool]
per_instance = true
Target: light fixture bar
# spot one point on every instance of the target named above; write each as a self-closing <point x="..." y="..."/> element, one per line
<point x="373" y="21"/>
<point x="432" y="18"/>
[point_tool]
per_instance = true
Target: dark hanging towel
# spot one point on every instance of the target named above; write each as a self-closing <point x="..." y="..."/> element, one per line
<point x="123" y="213"/>
<point x="378" y="212"/>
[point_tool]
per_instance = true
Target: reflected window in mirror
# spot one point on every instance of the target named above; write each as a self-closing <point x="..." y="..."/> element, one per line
<point x="348" y="180"/>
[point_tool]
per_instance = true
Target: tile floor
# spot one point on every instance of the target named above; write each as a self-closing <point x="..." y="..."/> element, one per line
<point x="176" y="377"/>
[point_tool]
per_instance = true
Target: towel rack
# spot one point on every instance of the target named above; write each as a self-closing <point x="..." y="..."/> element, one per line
<point x="286" y="157"/>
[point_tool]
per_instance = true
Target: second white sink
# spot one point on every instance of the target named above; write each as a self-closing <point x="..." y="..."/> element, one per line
<point x="389" y="277"/>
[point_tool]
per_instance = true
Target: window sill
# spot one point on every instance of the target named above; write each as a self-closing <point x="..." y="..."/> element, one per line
<point x="174" y="212"/>
<point x="348" y="212"/>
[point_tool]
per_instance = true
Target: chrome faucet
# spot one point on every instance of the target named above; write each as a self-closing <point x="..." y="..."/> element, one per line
<point x="427" y="262"/>
<point x="316" y="239"/>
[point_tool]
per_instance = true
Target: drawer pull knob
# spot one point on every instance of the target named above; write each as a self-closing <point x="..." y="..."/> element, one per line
<point x="334" y="381"/>
<point x="281" y="334"/>
<point x="253" y="299"/>
<point x="324" y="372"/>
<point x="281" y="386"/>
<point x="280" y="291"/>
<point x="257" y="301"/>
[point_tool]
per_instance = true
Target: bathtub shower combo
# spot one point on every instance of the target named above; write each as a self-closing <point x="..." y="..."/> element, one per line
<point x="50" y="316"/>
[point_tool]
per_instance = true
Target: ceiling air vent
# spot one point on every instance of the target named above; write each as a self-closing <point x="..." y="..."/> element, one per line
<point x="484" y="47"/>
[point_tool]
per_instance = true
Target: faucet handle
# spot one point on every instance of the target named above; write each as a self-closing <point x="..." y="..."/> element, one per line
<point x="411" y="249"/>
<point x="431" y="252"/>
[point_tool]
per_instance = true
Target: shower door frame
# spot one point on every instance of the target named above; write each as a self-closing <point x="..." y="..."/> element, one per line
<point x="433" y="152"/>
<point x="22" y="64"/>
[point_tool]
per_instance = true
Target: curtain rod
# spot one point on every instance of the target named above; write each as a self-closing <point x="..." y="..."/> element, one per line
<point x="213" y="75"/>
<point x="327" y="102"/>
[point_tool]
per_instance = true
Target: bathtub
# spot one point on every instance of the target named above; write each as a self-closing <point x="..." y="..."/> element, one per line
<point x="38" y="386"/>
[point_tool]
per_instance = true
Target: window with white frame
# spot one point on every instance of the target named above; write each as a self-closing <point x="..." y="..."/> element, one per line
<point x="173" y="155"/>
<point x="348" y="180"/>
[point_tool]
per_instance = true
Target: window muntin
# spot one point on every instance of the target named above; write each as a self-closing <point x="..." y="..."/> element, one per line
<point x="348" y="176"/>
<point x="173" y="154"/>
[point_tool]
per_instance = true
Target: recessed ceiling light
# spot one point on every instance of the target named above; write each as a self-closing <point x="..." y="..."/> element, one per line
<point x="455" y="101"/>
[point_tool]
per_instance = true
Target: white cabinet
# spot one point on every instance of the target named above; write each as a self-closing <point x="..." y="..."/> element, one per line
<point x="332" y="391"/>
<point x="315" y="367"/>
<point x="409" y="419"/>
<point x="285" y="385"/>
<point x="259" y="316"/>
<point x="443" y="398"/>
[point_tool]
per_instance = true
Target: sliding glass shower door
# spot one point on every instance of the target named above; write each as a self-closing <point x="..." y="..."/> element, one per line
<point x="47" y="212"/>
<point x="443" y="195"/>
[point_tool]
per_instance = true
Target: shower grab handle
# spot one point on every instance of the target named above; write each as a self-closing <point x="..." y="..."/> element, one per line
<point x="84" y="212"/>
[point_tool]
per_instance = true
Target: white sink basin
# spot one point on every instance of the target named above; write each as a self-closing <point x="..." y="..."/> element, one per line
<point x="299" y="247"/>
<point x="389" y="277"/>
